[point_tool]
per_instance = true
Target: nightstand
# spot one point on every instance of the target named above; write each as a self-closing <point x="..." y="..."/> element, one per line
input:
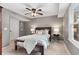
<point x="55" y="37"/>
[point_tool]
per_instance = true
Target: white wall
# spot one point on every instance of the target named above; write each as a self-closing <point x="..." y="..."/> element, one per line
<point x="72" y="44"/>
<point x="14" y="28"/>
<point x="6" y="16"/>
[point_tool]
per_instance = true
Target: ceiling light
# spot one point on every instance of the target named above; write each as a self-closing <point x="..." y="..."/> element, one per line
<point x="34" y="14"/>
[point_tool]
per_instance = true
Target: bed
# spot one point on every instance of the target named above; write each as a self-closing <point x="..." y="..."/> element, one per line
<point x="36" y="39"/>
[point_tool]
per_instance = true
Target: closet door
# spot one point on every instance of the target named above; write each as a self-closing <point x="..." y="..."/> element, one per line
<point x="14" y="28"/>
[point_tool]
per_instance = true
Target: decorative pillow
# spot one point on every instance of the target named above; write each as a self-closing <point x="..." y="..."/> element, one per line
<point x="45" y="31"/>
<point x="38" y="31"/>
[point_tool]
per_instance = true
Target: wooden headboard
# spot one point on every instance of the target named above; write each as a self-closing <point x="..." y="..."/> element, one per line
<point x="43" y="28"/>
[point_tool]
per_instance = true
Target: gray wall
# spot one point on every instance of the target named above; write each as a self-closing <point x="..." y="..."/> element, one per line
<point x="50" y="21"/>
<point x="68" y="32"/>
<point x="27" y="28"/>
<point x="22" y="30"/>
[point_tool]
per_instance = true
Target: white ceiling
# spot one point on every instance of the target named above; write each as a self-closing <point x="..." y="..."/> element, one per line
<point x="48" y="9"/>
<point x="76" y="7"/>
<point x="62" y="9"/>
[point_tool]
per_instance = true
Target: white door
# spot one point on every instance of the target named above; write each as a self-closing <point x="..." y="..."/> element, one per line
<point x="14" y="28"/>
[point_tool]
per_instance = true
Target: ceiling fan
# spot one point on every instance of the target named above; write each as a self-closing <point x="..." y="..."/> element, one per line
<point x="34" y="11"/>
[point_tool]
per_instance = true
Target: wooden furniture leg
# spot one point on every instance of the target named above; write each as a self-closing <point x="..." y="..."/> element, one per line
<point x="42" y="50"/>
<point x="15" y="45"/>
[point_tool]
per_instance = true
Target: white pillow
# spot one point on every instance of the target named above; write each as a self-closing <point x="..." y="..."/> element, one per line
<point x="38" y="31"/>
<point x="45" y="31"/>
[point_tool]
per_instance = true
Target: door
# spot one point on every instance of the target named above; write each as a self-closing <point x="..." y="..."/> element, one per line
<point x="14" y="28"/>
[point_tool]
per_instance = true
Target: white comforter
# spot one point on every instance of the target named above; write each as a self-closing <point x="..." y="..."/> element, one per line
<point x="30" y="41"/>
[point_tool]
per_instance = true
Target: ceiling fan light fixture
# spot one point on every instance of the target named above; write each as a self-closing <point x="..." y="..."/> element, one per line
<point x="33" y="14"/>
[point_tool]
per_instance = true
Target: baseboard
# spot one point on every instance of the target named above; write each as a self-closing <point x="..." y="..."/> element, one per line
<point x="67" y="49"/>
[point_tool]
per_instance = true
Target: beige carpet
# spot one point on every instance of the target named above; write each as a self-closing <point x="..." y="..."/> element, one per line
<point x="55" y="48"/>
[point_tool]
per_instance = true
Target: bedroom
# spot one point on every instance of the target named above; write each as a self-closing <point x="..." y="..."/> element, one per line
<point x="31" y="20"/>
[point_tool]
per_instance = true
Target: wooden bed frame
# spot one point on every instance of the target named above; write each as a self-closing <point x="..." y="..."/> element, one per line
<point x="41" y="47"/>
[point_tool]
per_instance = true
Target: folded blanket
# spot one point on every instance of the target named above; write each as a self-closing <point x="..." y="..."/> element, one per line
<point x="29" y="45"/>
<point x="30" y="41"/>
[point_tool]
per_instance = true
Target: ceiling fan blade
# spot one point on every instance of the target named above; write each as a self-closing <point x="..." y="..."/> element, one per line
<point x="39" y="10"/>
<point x="40" y="13"/>
<point x="26" y="13"/>
<point x="28" y="9"/>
